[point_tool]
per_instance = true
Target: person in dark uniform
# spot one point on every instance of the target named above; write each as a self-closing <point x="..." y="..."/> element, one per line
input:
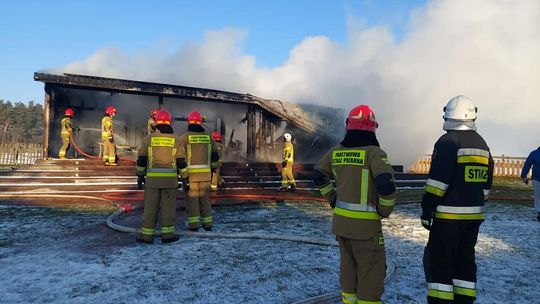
<point x="460" y="178"/>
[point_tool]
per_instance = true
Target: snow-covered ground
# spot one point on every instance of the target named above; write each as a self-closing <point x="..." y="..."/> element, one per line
<point x="53" y="256"/>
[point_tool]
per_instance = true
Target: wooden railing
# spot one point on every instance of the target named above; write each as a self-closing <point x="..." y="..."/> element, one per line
<point x="504" y="165"/>
<point x="19" y="154"/>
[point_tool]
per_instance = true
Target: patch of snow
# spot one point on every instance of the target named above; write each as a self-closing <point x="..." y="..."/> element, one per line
<point x="53" y="256"/>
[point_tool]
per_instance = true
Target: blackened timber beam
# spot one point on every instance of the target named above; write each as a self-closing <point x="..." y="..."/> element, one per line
<point x="46" y="121"/>
<point x="280" y="109"/>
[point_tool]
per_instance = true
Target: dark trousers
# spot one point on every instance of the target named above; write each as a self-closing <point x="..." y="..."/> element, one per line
<point x="449" y="261"/>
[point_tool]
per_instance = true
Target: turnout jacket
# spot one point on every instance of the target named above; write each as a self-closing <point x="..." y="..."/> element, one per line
<point x="157" y="159"/>
<point x="288" y="153"/>
<point x="364" y="189"/>
<point x="151" y="125"/>
<point x="460" y="177"/>
<point x="199" y="156"/>
<point x="67" y="128"/>
<point x="107" y="127"/>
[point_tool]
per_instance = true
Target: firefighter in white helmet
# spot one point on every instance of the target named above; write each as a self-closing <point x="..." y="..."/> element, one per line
<point x="364" y="191"/>
<point x="459" y="181"/>
<point x="287" y="178"/>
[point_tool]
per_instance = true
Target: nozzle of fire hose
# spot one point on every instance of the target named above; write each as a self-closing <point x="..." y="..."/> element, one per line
<point x="127" y="207"/>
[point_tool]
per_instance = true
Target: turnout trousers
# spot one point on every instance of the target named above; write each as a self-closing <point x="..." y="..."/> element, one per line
<point x="449" y="261"/>
<point x="362" y="269"/>
<point x="109" y="152"/>
<point x="156" y="200"/>
<point x="217" y="180"/>
<point x="198" y="206"/>
<point x="287" y="177"/>
<point x="65" y="147"/>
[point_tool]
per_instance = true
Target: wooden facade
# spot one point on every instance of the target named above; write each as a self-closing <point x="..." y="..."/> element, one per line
<point x="256" y="123"/>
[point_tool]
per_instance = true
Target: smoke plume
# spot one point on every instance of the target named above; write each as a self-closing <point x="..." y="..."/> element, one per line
<point x="486" y="50"/>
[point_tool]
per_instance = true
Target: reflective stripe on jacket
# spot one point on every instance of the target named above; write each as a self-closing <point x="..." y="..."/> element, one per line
<point x="460" y="177"/>
<point x="356" y="214"/>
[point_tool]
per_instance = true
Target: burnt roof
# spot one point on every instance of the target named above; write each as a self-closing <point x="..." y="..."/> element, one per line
<point x="287" y="111"/>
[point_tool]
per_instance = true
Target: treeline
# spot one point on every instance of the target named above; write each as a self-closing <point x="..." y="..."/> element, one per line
<point x="21" y="123"/>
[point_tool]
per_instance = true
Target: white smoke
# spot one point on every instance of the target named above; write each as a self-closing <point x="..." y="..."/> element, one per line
<point x="486" y="50"/>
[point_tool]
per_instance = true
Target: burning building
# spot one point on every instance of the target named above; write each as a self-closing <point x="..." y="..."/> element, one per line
<point x="252" y="127"/>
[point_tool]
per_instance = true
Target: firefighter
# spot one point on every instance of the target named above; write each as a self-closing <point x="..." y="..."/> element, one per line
<point x="157" y="172"/>
<point x="364" y="191"/>
<point x="66" y="132"/>
<point x="152" y="121"/>
<point x="287" y="177"/>
<point x="217" y="180"/>
<point x="199" y="159"/>
<point x="459" y="181"/>
<point x="107" y="135"/>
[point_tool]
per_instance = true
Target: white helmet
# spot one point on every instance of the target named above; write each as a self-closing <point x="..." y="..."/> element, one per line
<point x="460" y="108"/>
<point x="460" y="114"/>
<point x="287" y="137"/>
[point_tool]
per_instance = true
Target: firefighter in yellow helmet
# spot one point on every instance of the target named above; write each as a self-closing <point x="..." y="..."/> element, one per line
<point x="364" y="192"/>
<point x="287" y="178"/>
<point x="66" y="132"/>
<point x="217" y="180"/>
<point x="151" y="124"/>
<point x="107" y="136"/>
<point x="460" y="177"/>
<point x="157" y="172"/>
<point x="198" y="160"/>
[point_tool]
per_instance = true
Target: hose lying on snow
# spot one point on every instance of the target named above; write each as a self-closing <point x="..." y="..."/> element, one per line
<point x="92" y="156"/>
<point x="332" y="297"/>
<point x="126" y="208"/>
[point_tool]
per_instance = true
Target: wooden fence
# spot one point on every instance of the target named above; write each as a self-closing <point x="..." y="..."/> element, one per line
<point x="19" y="154"/>
<point x="504" y="165"/>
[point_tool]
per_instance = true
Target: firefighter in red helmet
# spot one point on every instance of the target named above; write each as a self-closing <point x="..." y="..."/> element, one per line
<point x="107" y="136"/>
<point x="157" y="171"/>
<point x="198" y="160"/>
<point x="364" y="191"/>
<point x="152" y="121"/>
<point x="66" y="132"/>
<point x="217" y="180"/>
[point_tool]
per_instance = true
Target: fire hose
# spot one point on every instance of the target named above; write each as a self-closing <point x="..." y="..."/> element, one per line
<point x="332" y="297"/>
<point x="92" y="156"/>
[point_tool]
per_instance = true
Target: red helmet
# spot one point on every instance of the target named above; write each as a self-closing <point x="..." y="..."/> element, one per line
<point x="195" y="118"/>
<point x="110" y="110"/>
<point x="154" y="112"/>
<point x="362" y="117"/>
<point x="216" y="136"/>
<point x="69" y="112"/>
<point x="163" y="117"/>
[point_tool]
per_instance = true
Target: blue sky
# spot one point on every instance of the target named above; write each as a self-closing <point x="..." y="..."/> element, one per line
<point x="36" y="35"/>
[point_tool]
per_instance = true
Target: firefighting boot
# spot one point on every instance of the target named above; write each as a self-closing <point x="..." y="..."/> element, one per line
<point x="172" y="239"/>
<point x="208" y="228"/>
<point x="292" y="188"/>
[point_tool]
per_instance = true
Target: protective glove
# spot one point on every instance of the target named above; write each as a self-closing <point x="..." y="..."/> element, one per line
<point x="77" y="129"/>
<point x="426" y="220"/>
<point x="141" y="181"/>
<point x="332" y="199"/>
<point x="284" y="164"/>
<point x="111" y="139"/>
<point x="525" y="180"/>
<point x="185" y="184"/>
